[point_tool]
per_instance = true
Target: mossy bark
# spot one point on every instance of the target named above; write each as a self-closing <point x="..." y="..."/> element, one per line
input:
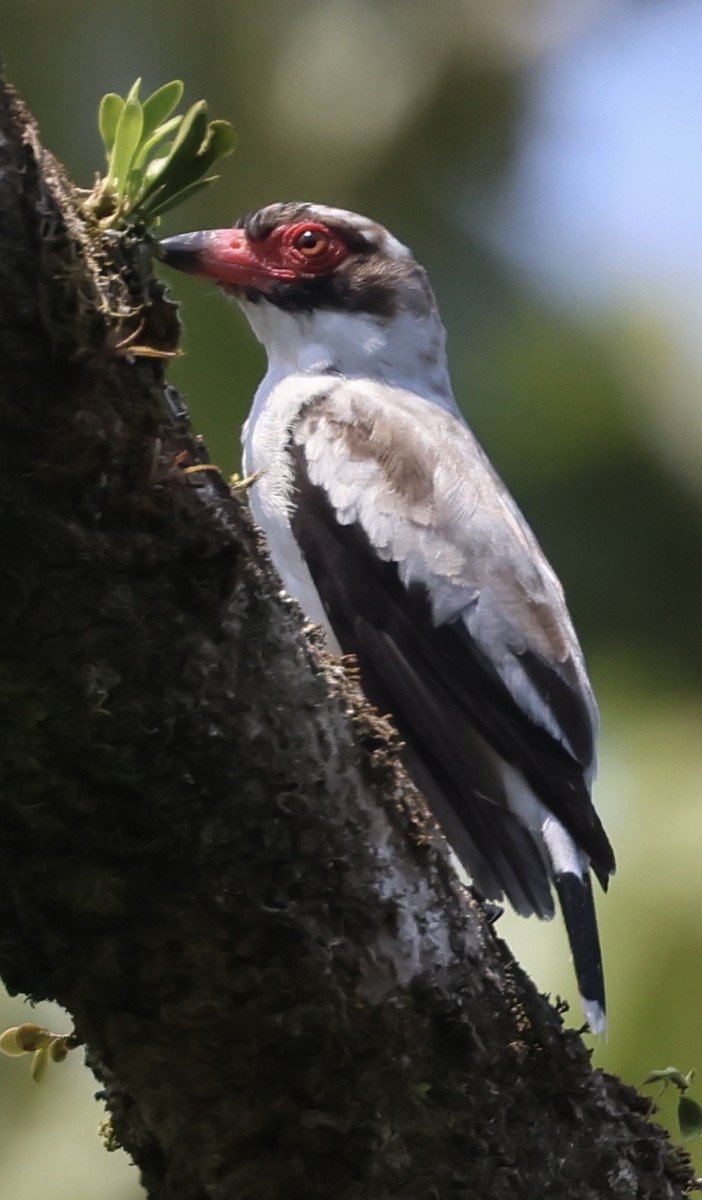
<point x="208" y="853"/>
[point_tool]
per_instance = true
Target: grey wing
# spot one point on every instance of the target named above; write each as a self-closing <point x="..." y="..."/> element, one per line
<point x="429" y="574"/>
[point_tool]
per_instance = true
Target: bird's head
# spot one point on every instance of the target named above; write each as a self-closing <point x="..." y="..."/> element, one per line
<point x="302" y="257"/>
<point x="324" y="288"/>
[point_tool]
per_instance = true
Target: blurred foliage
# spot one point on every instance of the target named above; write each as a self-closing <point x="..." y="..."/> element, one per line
<point x="415" y="114"/>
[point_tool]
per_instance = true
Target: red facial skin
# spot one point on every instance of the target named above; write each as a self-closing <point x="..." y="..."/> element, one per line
<point x="288" y="253"/>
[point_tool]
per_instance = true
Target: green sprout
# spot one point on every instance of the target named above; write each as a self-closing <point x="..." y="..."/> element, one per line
<point x="689" y="1111"/>
<point x="155" y="161"/>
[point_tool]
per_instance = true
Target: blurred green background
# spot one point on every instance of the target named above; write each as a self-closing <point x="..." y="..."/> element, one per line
<point x="544" y="160"/>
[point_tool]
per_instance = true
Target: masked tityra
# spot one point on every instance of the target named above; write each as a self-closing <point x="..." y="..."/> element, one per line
<point x="390" y="527"/>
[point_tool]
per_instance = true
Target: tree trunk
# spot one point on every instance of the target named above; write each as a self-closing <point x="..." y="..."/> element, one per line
<point x="209" y="854"/>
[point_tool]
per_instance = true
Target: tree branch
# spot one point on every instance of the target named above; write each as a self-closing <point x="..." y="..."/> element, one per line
<point x="209" y="854"/>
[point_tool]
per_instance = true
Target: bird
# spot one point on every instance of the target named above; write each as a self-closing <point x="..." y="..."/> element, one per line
<point x="388" y="524"/>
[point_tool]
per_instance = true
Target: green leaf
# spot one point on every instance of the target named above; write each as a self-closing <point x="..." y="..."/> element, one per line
<point x="174" y="199"/>
<point x="179" y="169"/>
<point x="134" y="185"/>
<point x="155" y="167"/>
<point x="126" y="141"/>
<point x="689" y="1117"/>
<point x="190" y="136"/>
<point x="219" y="142"/>
<point x="160" y="104"/>
<point x="669" y="1075"/>
<point x="148" y="144"/>
<point x="109" y="114"/>
<point x="180" y="174"/>
<point x="133" y="93"/>
<point x="40" y="1062"/>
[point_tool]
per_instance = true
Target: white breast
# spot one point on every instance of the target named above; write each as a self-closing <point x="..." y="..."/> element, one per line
<point x="265" y="437"/>
<point x="307" y="353"/>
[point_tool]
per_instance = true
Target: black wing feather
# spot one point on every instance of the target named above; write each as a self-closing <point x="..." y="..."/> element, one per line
<point x="450" y="705"/>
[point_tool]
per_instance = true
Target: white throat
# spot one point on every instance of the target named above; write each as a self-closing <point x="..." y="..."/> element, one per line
<point x="405" y="351"/>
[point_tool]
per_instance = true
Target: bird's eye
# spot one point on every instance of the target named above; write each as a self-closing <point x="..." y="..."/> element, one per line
<point x="312" y="243"/>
